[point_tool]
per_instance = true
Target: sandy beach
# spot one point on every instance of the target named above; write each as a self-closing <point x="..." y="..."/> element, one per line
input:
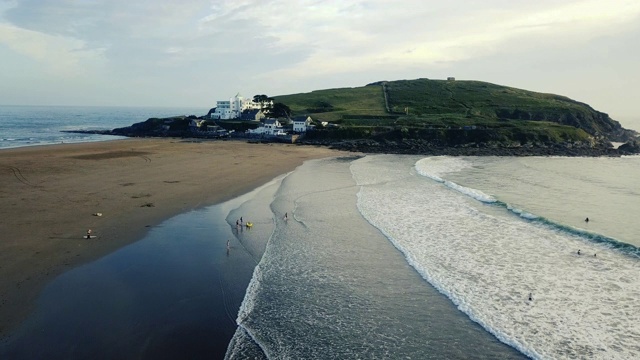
<point x="51" y="195"/>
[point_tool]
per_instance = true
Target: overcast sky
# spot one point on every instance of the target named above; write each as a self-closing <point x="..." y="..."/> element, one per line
<point x="193" y="52"/>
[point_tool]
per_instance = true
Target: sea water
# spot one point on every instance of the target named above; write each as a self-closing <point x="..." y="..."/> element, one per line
<point x="332" y="286"/>
<point x="174" y="294"/>
<point x="380" y="257"/>
<point x="42" y="125"/>
<point x="458" y="258"/>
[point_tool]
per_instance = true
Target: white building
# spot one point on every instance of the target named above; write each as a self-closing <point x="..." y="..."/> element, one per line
<point x="269" y="127"/>
<point x="301" y="124"/>
<point x="232" y="108"/>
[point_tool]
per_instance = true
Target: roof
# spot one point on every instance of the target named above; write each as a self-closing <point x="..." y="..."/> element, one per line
<point x="300" y="118"/>
<point x="249" y="114"/>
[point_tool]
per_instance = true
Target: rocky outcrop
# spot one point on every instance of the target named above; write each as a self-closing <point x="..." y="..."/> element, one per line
<point x="595" y="123"/>
<point x="422" y="147"/>
<point x="629" y="148"/>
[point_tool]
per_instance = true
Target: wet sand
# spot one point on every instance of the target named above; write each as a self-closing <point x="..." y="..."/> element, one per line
<point x="49" y="196"/>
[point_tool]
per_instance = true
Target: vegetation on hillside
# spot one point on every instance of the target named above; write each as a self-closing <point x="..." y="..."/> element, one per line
<point x="332" y="104"/>
<point x="454" y="111"/>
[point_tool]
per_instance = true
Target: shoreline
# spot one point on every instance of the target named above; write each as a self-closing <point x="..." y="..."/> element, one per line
<point x="50" y="194"/>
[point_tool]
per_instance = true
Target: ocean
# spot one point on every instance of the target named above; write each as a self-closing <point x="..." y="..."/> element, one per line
<point x="391" y="256"/>
<point x="43" y="125"/>
<point x="378" y="257"/>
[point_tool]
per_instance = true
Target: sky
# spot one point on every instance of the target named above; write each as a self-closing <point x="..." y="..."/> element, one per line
<point x="193" y="52"/>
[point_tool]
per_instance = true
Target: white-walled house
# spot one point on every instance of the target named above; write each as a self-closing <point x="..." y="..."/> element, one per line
<point x="301" y="124"/>
<point x="233" y="108"/>
<point x="269" y="127"/>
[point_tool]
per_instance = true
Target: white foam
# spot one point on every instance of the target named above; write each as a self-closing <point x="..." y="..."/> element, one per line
<point x="436" y="167"/>
<point x="522" y="213"/>
<point x="583" y="306"/>
<point x="474" y="193"/>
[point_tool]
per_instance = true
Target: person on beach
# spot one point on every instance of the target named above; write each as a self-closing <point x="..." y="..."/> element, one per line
<point x="586" y="220"/>
<point x="240" y="220"/>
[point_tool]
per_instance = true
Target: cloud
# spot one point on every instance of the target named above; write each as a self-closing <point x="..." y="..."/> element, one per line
<point x="463" y="34"/>
<point x="281" y="44"/>
<point x="60" y="55"/>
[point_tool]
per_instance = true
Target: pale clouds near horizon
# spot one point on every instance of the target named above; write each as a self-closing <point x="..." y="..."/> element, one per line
<point x="190" y="53"/>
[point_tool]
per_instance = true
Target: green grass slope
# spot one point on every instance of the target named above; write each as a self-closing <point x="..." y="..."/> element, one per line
<point x="477" y="100"/>
<point x="423" y="105"/>
<point x="333" y="104"/>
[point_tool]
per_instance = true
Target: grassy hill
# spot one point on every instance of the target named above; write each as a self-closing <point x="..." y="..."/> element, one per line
<point x="424" y="108"/>
<point x="333" y="104"/>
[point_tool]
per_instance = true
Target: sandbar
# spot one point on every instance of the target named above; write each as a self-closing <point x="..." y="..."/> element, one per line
<point x="51" y="195"/>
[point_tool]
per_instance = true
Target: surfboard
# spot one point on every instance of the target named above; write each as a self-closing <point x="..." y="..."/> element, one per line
<point x="89" y="237"/>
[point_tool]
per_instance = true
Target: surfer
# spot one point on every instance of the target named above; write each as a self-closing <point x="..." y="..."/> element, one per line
<point x="89" y="234"/>
<point x="286" y="217"/>
<point x="578" y="251"/>
<point x="586" y="220"/>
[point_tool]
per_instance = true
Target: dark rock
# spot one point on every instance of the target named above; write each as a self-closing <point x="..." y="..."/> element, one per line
<point x="630" y="147"/>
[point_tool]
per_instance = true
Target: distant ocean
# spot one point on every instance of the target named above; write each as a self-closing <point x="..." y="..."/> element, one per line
<point x="42" y="125"/>
<point x="380" y="257"/>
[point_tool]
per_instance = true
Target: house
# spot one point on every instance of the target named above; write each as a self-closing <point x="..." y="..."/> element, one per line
<point x="301" y="124"/>
<point x="269" y="127"/>
<point x="252" y="115"/>
<point x="217" y="131"/>
<point x="233" y="108"/>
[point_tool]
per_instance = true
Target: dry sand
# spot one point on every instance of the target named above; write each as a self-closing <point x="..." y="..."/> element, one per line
<point x="48" y="195"/>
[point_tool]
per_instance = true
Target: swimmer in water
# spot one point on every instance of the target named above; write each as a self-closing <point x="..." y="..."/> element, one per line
<point x="579" y="252"/>
<point x="530" y="297"/>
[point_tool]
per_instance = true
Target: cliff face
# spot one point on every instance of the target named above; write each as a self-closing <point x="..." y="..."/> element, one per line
<point x="595" y="123"/>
